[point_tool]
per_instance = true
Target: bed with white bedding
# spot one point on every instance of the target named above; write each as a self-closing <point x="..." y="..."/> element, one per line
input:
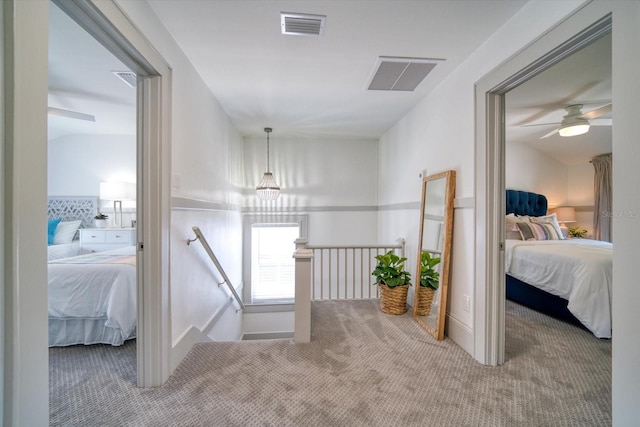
<point x="92" y="298"/>
<point x="577" y="270"/>
<point x="570" y="279"/>
<point x="65" y="250"/>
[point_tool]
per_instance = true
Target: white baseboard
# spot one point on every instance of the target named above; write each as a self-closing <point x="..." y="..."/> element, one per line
<point x="191" y="336"/>
<point x="194" y="335"/>
<point x="266" y="336"/>
<point x="460" y="334"/>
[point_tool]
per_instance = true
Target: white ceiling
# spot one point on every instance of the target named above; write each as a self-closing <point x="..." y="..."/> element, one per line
<point x="305" y="86"/>
<point x="582" y="78"/>
<point x="80" y="79"/>
<point x="317" y="85"/>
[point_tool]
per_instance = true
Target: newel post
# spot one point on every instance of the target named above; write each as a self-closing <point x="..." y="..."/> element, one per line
<point x="302" y="314"/>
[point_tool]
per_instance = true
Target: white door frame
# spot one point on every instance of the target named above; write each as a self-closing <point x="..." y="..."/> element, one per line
<point x="105" y="21"/>
<point x="25" y="351"/>
<point x="581" y="28"/>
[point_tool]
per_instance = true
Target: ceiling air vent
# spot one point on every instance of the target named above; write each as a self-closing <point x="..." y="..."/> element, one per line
<point x="401" y="74"/>
<point x="129" y="77"/>
<point x="301" y="24"/>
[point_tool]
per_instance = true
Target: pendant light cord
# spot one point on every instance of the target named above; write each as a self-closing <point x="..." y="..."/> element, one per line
<point x="267" y="151"/>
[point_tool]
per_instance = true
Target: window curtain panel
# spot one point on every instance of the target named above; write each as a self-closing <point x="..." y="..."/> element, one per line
<point x="602" y="197"/>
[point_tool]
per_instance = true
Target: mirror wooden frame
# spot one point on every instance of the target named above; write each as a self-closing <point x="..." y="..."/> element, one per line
<point x="434" y="323"/>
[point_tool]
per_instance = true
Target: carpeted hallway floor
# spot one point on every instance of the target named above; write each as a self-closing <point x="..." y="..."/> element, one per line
<point x="362" y="368"/>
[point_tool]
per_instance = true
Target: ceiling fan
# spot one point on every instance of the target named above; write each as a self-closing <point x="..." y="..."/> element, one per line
<point x="70" y="114"/>
<point x="577" y="123"/>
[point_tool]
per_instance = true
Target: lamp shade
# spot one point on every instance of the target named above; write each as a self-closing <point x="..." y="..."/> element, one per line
<point x="565" y="214"/>
<point x="117" y="191"/>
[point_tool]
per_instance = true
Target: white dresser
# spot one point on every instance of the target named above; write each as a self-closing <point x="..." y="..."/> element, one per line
<point x="104" y="239"/>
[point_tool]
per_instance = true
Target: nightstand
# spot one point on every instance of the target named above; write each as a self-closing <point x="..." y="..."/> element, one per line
<point x="104" y="239"/>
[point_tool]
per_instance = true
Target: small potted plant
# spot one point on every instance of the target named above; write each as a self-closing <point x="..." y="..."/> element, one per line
<point x="429" y="281"/>
<point x="100" y="220"/>
<point x="577" y="232"/>
<point x="393" y="281"/>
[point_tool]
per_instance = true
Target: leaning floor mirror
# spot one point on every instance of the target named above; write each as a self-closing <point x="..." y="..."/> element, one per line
<point x="434" y="243"/>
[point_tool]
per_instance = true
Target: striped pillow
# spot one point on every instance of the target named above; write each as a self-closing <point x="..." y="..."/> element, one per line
<point x="533" y="231"/>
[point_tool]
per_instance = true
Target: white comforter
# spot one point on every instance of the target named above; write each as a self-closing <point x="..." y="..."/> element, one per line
<point x="81" y="289"/>
<point x="578" y="270"/>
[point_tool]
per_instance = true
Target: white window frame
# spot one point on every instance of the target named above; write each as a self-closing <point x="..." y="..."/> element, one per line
<point x="249" y="221"/>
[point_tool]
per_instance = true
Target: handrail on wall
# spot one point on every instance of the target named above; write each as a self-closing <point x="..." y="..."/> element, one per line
<point x="207" y="248"/>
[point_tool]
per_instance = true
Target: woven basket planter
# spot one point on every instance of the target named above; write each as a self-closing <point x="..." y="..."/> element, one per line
<point x="393" y="300"/>
<point x="425" y="300"/>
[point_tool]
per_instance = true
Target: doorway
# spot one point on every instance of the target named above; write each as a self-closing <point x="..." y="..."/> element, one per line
<point x="590" y="25"/>
<point x="91" y="173"/>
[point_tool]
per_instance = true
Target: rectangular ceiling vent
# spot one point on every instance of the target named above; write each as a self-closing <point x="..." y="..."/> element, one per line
<point x="401" y="74"/>
<point x="301" y="24"/>
<point x="128" y="77"/>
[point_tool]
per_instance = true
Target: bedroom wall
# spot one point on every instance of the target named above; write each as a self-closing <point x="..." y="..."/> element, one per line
<point x="206" y="167"/>
<point x="95" y="158"/>
<point x="528" y="169"/>
<point x="580" y="194"/>
<point x="438" y="134"/>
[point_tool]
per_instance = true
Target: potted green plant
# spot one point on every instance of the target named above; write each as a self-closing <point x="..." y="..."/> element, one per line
<point x="100" y="220"/>
<point x="577" y="232"/>
<point x="393" y="281"/>
<point x="429" y="282"/>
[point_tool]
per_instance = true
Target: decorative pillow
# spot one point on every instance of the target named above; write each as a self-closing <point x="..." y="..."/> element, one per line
<point x="512" y="231"/>
<point x="65" y="232"/>
<point x="534" y="231"/>
<point x="549" y="219"/>
<point x="52" y="224"/>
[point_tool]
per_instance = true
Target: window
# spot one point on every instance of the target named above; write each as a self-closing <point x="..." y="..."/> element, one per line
<point x="267" y="252"/>
<point x="272" y="263"/>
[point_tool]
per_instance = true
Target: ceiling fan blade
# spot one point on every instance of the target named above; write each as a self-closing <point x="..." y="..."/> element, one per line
<point x="601" y="122"/>
<point x="547" y="135"/>
<point x="594" y="114"/>
<point x="70" y="114"/>
<point x="540" y="124"/>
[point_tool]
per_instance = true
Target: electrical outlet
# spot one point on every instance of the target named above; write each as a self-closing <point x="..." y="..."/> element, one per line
<point x="467" y="303"/>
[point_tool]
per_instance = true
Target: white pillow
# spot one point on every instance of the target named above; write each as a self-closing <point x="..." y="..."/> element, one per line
<point x="512" y="231"/>
<point x="65" y="232"/>
<point x="549" y="219"/>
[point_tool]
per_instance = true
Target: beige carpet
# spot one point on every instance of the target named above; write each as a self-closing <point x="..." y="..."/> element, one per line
<point x="363" y="368"/>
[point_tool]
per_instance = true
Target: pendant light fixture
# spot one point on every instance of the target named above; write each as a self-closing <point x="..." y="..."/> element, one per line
<point x="268" y="189"/>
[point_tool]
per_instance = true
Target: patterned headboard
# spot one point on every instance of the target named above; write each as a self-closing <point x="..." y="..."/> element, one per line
<point x="525" y="203"/>
<point x="73" y="208"/>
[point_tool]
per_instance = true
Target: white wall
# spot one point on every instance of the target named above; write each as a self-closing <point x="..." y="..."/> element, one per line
<point x="331" y="180"/>
<point x="438" y="134"/>
<point x="626" y="202"/>
<point x="528" y="169"/>
<point x="206" y="164"/>
<point x="313" y="171"/>
<point x="78" y="163"/>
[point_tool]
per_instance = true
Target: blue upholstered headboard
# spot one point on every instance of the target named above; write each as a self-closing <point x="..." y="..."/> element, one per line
<point x="525" y="203"/>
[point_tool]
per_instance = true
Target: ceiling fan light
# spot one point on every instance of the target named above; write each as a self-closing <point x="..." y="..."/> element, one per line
<point x="574" y="129"/>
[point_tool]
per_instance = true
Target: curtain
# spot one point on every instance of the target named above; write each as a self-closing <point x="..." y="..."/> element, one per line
<point x="602" y="197"/>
